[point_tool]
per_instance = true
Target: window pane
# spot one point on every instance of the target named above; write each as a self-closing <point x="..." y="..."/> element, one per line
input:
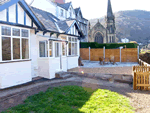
<point x="63" y="49"/>
<point x="69" y="38"/>
<point x="50" y="48"/>
<point x="16" y="32"/>
<point x="25" y="49"/>
<point x="75" y="39"/>
<point x="69" y="48"/>
<point x="25" y="33"/>
<point x="73" y="48"/>
<point x="16" y="48"/>
<point x="42" y="49"/>
<point x="56" y="49"/>
<point x="6" y="31"/>
<point x="6" y="48"/>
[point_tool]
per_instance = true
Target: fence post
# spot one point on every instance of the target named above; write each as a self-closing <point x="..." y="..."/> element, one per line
<point x="138" y="51"/>
<point x="134" y="81"/>
<point x="120" y="54"/>
<point x="104" y="52"/>
<point x="89" y="53"/>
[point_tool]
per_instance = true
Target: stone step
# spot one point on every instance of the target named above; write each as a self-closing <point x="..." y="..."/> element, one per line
<point x="106" y="77"/>
<point x="61" y="75"/>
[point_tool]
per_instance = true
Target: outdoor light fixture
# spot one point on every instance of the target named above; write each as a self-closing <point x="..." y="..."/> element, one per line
<point x="121" y="47"/>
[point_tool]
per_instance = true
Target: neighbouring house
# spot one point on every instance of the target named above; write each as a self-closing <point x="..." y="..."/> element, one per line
<point x="35" y="42"/>
<point x="64" y="11"/>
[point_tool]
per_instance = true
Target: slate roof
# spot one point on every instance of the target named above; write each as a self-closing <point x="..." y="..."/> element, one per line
<point x="3" y="1"/>
<point x="64" y="25"/>
<point x="64" y="6"/>
<point x="109" y="10"/>
<point x="47" y="19"/>
<point x="77" y="10"/>
<point x="51" y="22"/>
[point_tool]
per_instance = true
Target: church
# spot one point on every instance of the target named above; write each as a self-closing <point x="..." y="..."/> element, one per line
<point x="100" y="34"/>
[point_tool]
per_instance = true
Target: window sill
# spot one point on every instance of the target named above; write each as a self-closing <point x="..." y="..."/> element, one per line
<point x="3" y="62"/>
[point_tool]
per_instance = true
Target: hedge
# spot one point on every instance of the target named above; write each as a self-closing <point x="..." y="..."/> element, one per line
<point x="107" y="45"/>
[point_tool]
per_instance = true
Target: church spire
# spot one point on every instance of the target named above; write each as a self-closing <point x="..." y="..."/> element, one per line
<point x="109" y="10"/>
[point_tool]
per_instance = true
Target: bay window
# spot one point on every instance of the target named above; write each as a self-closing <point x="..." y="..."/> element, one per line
<point x="15" y="44"/>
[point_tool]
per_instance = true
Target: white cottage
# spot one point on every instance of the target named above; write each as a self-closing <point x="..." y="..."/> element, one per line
<point x="34" y="42"/>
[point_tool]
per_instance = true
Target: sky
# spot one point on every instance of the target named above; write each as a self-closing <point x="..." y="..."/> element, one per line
<point x="98" y="8"/>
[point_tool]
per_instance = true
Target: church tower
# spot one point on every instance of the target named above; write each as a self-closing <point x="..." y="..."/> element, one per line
<point x="110" y="25"/>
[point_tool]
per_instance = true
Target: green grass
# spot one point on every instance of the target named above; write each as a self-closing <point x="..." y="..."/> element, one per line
<point x="74" y="99"/>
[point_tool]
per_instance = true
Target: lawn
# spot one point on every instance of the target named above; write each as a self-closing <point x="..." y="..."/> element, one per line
<point x="74" y="99"/>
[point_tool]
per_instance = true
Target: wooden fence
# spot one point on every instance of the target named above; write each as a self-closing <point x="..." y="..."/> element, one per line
<point x="141" y="79"/>
<point x="127" y="55"/>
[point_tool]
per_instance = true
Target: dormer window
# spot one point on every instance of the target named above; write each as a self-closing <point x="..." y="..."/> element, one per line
<point x="66" y="14"/>
<point x="62" y="12"/>
<point x="70" y="13"/>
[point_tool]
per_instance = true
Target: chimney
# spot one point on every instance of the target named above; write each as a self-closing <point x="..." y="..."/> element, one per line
<point x="60" y="1"/>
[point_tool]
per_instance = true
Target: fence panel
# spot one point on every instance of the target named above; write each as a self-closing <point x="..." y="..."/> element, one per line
<point x="127" y="55"/>
<point x="84" y="53"/>
<point x="95" y="54"/>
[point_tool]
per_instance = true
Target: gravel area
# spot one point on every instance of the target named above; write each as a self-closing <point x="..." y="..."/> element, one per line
<point x="106" y="70"/>
<point x="138" y="99"/>
<point x="95" y="64"/>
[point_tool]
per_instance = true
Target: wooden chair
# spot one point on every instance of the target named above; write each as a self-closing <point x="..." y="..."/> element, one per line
<point x="112" y="60"/>
<point x="101" y="60"/>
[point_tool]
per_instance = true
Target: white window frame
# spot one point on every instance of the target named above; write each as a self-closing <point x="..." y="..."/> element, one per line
<point x="12" y="37"/>
<point x="51" y="49"/>
<point x="72" y="42"/>
<point x="57" y="50"/>
<point x="65" y="13"/>
<point x="65" y="47"/>
<point x="46" y="48"/>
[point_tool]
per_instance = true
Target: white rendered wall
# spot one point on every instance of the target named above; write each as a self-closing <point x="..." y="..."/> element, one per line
<point x="3" y="15"/>
<point x="45" y="5"/>
<point x="28" y="20"/>
<point x="43" y="67"/>
<point x="15" y="73"/>
<point x="34" y="54"/>
<point x="12" y="13"/>
<point x="64" y="63"/>
<point x="54" y="66"/>
<point x="72" y="62"/>
<point x="20" y="15"/>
